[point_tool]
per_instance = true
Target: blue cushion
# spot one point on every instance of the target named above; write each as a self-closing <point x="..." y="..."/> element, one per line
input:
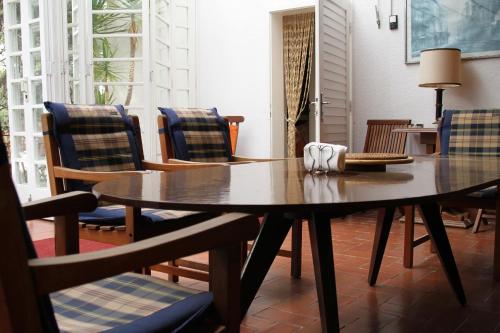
<point x="176" y="318"/>
<point x="129" y="303"/>
<point x="94" y="138"/>
<point x="198" y="135"/>
<point x="445" y="131"/>
<point x="114" y="215"/>
<point x="487" y="193"/>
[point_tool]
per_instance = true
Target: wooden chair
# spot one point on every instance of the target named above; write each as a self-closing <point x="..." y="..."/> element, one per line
<point x="226" y="125"/>
<point x="380" y="137"/>
<point x="109" y="224"/>
<point x="169" y="154"/>
<point x="70" y="292"/>
<point x="472" y="133"/>
<point x="482" y="216"/>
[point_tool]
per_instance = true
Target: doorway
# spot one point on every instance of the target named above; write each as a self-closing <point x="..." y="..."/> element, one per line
<point x="305" y="124"/>
<point x="329" y="119"/>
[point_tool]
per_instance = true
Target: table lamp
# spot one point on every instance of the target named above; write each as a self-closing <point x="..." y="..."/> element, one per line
<point x="440" y="68"/>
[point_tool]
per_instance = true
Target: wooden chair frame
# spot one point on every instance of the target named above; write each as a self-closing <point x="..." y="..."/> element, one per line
<point x="380" y="137"/>
<point x="66" y="233"/>
<point x="24" y="281"/>
<point x="167" y="153"/>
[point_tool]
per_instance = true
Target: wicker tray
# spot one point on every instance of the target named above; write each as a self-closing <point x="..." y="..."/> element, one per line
<point x="374" y="156"/>
<point x="374" y="162"/>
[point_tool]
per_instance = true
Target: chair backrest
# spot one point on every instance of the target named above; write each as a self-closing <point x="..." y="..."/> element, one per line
<point x="90" y="138"/>
<point x="193" y="134"/>
<point x="470" y="132"/>
<point x="20" y="309"/>
<point x="380" y="137"/>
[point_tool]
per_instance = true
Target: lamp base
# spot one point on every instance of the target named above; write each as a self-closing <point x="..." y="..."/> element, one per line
<point x="439" y="103"/>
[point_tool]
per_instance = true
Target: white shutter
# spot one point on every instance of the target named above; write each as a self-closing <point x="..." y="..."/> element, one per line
<point x="332" y="71"/>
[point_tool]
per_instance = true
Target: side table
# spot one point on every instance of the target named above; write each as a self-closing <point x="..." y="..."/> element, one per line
<point x="427" y="137"/>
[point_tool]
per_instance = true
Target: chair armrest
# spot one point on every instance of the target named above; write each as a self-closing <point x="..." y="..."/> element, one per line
<point x="92" y="176"/>
<point x="234" y="119"/>
<point x="63" y="204"/>
<point x="173" y="165"/>
<point x="52" y="274"/>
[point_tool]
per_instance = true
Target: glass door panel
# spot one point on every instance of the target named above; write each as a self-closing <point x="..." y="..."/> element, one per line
<point x="24" y="44"/>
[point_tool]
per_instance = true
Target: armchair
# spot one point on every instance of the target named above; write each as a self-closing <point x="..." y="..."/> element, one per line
<point x="87" y="144"/>
<point x="190" y="135"/>
<point x="94" y="292"/>
<point x="473" y="133"/>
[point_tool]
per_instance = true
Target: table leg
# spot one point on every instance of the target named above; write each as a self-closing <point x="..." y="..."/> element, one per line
<point x="435" y="228"/>
<point x="296" y="260"/>
<point x="265" y="248"/>
<point x="382" y="229"/>
<point x="322" y="251"/>
<point x="409" y="236"/>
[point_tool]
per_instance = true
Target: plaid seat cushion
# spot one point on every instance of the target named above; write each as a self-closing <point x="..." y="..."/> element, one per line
<point x="198" y="135"/>
<point x="471" y="132"/>
<point x="94" y="138"/>
<point x="115" y="215"/>
<point x="128" y="303"/>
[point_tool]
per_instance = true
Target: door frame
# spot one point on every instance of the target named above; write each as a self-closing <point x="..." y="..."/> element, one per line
<point x="277" y="84"/>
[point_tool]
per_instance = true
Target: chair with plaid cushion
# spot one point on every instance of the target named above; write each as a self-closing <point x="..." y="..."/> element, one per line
<point x="86" y="144"/>
<point x="202" y="135"/>
<point x="94" y="292"/>
<point x="474" y="133"/>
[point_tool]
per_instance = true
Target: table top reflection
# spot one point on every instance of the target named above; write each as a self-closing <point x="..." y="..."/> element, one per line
<point x="272" y="186"/>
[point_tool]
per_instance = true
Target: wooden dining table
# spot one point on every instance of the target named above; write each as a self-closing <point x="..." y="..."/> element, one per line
<point x="283" y="191"/>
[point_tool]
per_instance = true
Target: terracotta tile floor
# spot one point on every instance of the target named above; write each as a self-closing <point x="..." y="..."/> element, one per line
<point x="404" y="300"/>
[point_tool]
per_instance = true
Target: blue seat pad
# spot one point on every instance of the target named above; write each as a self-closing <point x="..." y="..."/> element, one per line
<point x="487" y="193"/>
<point x="128" y="303"/>
<point x="115" y="215"/>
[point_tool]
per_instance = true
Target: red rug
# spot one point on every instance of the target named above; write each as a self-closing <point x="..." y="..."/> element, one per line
<point x="45" y="247"/>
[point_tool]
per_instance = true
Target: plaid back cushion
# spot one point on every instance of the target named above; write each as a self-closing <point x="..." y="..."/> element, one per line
<point x="471" y="132"/>
<point x="198" y="135"/>
<point x="94" y="138"/>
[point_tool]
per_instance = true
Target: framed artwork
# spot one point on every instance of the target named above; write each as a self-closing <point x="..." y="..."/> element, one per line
<point x="470" y="25"/>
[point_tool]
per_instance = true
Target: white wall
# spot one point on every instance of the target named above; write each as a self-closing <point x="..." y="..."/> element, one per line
<point x="233" y="64"/>
<point x="384" y="87"/>
<point x="233" y="69"/>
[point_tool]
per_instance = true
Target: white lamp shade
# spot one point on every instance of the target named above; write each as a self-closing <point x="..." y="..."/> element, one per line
<point x="440" y="68"/>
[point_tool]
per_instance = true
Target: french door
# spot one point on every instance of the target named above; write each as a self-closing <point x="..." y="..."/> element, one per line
<point x="332" y="58"/>
<point x="26" y="85"/>
<point x="139" y="53"/>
